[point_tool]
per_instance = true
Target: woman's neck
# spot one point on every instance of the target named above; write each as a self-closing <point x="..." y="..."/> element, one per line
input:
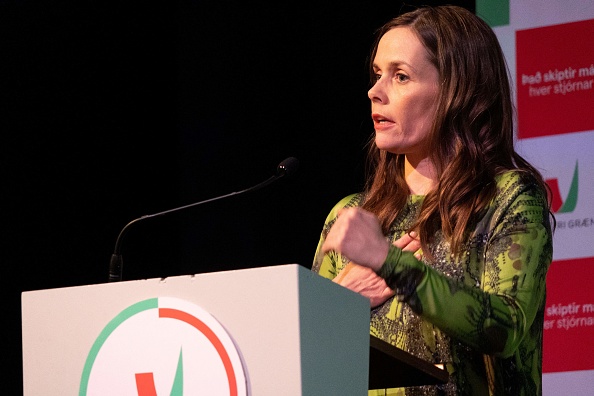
<point x="420" y="176"/>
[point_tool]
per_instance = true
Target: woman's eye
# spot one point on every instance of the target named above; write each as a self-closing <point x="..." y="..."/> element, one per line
<point x="376" y="77"/>
<point x="401" y="77"/>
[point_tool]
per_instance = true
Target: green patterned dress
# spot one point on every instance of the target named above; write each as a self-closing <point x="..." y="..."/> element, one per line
<point x="481" y="316"/>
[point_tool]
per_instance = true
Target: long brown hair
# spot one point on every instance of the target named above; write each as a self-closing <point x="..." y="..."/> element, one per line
<point x="471" y="140"/>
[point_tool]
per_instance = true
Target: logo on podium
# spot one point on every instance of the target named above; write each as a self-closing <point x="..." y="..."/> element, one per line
<point x="164" y="346"/>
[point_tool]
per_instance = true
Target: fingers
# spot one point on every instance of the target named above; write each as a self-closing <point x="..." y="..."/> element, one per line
<point x="364" y="281"/>
<point x="339" y="231"/>
<point x="410" y="242"/>
<point x="357" y="234"/>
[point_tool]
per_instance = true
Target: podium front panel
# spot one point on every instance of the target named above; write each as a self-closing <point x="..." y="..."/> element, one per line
<point x="296" y="332"/>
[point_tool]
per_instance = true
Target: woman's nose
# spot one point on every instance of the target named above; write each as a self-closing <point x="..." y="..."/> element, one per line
<point x="375" y="94"/>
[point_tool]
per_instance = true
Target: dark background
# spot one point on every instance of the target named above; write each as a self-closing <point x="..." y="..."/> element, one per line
<point x="115" y="110"/>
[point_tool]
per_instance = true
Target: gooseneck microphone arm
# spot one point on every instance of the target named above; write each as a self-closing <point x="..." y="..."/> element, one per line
<point x="285" y="168"/>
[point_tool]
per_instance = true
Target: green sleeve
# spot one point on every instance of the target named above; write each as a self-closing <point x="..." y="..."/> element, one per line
<point x="494" y="312"/>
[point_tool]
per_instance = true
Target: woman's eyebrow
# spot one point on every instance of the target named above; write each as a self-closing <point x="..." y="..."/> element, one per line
<point x="396" y="64"/>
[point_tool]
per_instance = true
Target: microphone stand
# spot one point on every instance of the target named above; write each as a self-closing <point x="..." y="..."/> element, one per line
<point x="285" y="168"/>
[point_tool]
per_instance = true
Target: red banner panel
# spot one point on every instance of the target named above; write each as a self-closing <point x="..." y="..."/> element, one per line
<point x="569" y="316"/>
<point x="555" y="79"/>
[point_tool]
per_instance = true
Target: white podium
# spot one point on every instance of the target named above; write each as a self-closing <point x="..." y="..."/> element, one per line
<point x="295" y="333"/>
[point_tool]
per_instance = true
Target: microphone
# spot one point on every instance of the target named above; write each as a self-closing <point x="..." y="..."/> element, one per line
<point x="286" y="168"/>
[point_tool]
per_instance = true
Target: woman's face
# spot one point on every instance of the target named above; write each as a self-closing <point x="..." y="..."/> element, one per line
<point x="404" y="97"/>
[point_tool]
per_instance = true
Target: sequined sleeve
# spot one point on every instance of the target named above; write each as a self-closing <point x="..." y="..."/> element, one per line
<point x="492" y="306"/>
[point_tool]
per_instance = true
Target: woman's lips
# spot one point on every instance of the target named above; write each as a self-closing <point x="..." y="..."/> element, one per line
<point x="380" y="120"/>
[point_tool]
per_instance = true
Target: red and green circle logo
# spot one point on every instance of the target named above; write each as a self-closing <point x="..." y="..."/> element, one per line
<point x="163" y="346"/>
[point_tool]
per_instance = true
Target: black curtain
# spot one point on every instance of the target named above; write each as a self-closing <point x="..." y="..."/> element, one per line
<point x="115" y="110"/>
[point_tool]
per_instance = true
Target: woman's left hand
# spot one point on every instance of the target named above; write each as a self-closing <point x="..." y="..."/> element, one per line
<point x="365" y="281"/>
<point x="410" y="243"/>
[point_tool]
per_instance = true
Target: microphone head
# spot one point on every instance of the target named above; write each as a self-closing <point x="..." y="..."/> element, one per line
<point x="287" y="167"/>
